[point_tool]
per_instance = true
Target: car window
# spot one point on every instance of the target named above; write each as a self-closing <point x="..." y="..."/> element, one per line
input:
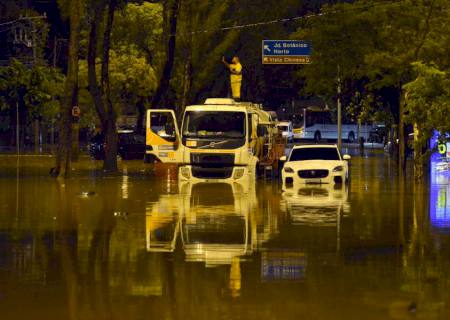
<point x="139" y="139"/>
<point x="302" y="154"/>
<point x="125" y="138"/>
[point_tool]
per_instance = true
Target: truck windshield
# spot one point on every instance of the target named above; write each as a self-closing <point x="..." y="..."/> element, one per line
<point x="302" y="154"/>
<point x="214" y="124"/>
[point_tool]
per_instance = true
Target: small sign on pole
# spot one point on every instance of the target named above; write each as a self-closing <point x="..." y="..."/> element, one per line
<point x="286" y="52"/>
<point x="76" y="111"/>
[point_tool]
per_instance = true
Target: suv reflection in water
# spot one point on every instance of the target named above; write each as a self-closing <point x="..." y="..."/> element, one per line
<point x="322" y="205"/>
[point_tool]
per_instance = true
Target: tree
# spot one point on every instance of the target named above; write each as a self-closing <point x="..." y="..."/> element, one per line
<point x="426" y="107"/>
<point x="139" y="55"/>
<point x="203" y="41"/>
<point x="375" y="44"/>
<point x="70" y="99"/>
<point x="128" y="31"/>
<point x="36" y="90"/>
<point x="171" y="10"/>
<point x="132" y="81"/>
<point x="101" y="92"/>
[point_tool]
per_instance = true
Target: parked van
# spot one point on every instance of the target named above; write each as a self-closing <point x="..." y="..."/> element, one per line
<point x="286" y="129"/>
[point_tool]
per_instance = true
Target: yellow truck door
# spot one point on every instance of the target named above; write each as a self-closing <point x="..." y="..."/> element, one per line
<point x="163" y="141"/>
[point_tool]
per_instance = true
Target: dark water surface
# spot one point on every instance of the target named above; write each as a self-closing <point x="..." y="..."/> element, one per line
<point x="142" y="246"/>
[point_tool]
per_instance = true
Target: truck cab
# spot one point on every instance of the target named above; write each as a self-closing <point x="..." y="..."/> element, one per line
<point x="218" y="140"/>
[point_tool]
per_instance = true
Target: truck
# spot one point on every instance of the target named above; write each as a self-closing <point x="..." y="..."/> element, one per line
<point x="220" y="140"/>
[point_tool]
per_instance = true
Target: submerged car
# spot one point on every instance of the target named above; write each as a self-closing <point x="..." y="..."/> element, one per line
<point x="130" y="145"/>
<point x="315" y="164"/>
<point x="377" y="134"/>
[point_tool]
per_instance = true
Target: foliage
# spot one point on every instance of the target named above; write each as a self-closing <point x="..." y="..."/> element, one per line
<point x="131" y="77"/>
<point x="201" y="41"/>
<point x="428" y="102"/>
<point x="39" y="88"/>
<point x="139" y="26"/>
<point x="374" y="44"/>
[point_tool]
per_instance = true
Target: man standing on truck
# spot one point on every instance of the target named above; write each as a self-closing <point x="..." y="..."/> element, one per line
<point x="235" y="68"/>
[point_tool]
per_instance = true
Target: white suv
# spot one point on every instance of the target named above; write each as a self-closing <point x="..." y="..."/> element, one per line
<point x="316" y="164"/>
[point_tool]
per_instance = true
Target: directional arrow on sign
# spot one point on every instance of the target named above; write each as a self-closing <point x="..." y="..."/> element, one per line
<point x="266" y="48"/>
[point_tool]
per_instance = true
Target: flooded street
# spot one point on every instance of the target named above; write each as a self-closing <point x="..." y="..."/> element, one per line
<point x="143" y="246"/>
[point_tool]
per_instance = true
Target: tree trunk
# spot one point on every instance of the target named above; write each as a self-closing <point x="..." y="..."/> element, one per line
<point x="187" y="50"/>
<point x="36" y="135"/>
<point x="401" y="136"/>
<point x="101" y="93"/>
<point x="13" y="110"/>
<point x="186" y="82"/>
<point x="110" y="163"/>
<point x="141" y="115"/>
<point x="161" y="95"/>
<point x="70" y="94"/>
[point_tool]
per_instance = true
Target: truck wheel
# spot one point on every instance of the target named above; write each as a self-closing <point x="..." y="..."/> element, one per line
<point x="351" y="137"/>
<point x="317" y="136"/>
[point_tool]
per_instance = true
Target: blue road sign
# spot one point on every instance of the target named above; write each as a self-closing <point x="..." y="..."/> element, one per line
<point x="286" y="52"/>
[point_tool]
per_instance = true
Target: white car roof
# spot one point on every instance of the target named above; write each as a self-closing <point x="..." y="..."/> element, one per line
<point x="315" y="146"/>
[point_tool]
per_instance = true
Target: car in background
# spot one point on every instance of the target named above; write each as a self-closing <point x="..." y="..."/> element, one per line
<point x="378" y="134"/>
<point x="286" y="129"/>
<point x="315" y="164"/>
<point x="131" y="145"/>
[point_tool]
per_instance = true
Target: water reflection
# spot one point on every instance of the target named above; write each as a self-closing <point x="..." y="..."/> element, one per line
<point x="440" y="198"/>
<point x="215" y="225"/>
<point x="319" y="205"/>
<point x="139" y="247"/>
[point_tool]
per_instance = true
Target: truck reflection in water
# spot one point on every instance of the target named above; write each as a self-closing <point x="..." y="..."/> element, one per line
<point x="211" y="233"/>
<point x="212" y="221"/>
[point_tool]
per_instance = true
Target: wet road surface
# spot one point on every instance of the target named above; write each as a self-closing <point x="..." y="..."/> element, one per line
<point x="142" y="246"/>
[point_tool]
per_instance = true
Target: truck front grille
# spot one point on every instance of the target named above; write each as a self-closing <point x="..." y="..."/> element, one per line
<point x="212" y="160"/>
<point x="212" y="173"/>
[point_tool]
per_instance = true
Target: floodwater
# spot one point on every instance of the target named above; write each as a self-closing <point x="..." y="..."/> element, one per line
<point x="142" y="246"/>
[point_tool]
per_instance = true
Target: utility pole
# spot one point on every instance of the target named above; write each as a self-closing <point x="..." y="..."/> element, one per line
<point x="36" y="120"/>
<point x="339" y="109"/>
<point x="25" y="32"/>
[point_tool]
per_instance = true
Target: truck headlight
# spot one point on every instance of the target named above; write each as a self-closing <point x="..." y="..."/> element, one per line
<point x="288" y="170"/>
<point x="338" y="169"/>
<point x="185" y="173"/>
<point x="238" y="173"/>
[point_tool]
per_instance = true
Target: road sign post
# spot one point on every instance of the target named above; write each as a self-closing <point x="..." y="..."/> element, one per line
<point x="286" y="52"/>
